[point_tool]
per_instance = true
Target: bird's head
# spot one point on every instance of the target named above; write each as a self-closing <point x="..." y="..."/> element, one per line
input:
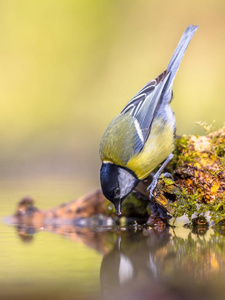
<point x="116" y="182"/>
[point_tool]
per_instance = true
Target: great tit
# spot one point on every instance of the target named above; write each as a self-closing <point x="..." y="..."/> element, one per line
<point x="142" y="136"/>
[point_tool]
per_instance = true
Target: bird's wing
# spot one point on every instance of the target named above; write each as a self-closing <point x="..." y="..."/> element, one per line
<point x="144" y="104"/>
<point x="143" y="107"/>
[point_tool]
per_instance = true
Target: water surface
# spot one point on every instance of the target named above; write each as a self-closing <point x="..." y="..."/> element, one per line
<point x="65" y="262"/>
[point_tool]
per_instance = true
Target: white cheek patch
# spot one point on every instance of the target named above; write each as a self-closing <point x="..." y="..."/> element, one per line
<point x="126" y="182"/>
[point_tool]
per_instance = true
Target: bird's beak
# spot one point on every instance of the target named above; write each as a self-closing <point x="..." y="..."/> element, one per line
<point x="117" y="207"/>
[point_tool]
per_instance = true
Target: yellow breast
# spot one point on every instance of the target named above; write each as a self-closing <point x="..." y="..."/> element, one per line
<point x="159" y="145"/>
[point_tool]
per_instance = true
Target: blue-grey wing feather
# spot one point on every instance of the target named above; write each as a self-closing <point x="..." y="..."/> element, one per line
<point x="175" y="61"/>
<point x="143" y="107"/>
<point x="156" y="93"/>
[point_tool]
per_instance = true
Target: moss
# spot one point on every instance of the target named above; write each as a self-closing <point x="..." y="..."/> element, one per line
<point x="222" y="160"/>
<point x="220" y="150"/>
<point x="218" y="143"/>
<point x="134" y="207"/>
<point x="183" y="152"/>
<point x="181" y="143"/>
<point x="217" y="210"/>
<point x="168" y="181"/>
<point x="186" y="204"/>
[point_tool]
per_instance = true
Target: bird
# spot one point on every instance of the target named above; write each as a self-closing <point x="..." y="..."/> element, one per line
<point x="142" y="135"/>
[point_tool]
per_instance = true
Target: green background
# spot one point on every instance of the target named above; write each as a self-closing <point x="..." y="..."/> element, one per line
<point x="68" y="67"/>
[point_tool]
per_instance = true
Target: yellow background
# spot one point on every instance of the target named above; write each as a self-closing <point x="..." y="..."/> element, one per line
<point x="68" y="67"/>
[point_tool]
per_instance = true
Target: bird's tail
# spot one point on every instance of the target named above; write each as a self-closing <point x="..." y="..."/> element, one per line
<point x="178" y="54"/>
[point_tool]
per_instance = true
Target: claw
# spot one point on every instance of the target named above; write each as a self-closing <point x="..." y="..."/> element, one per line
<point x="152" y="186"/>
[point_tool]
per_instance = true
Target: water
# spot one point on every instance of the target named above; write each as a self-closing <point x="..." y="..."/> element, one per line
<point x="106" y="263"/>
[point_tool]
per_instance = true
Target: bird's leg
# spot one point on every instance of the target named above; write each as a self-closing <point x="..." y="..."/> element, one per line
<point x="153" y="184"/>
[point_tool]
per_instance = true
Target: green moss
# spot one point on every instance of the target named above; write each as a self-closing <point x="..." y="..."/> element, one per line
<point x="214" y="172"/>
<point x="210" y="163"/>
<point x="192" y="155"/>
<point x="220" y="150"/>
<point x="180" y="144"/>
<point x="186" y="204"/>
<point x="183" y="153"/>
<point x="222" y="161"/>
<point x="217" y="210"/>
<point x="167" y="181"/>
<point x="134" y="207"/>
<point x="218" y="145"/>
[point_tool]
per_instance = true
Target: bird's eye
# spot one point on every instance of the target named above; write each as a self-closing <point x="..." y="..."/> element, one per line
<point x="117" y="192"/>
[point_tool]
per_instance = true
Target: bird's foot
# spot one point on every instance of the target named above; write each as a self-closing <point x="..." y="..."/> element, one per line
<point x="154" y="182"/>
<point x="152" y="186"/>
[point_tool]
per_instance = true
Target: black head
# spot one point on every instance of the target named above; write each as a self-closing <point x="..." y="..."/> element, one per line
<point x="117" y="182"/>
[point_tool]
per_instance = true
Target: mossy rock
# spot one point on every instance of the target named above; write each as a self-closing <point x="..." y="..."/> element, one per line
<point x="198" y="168"/>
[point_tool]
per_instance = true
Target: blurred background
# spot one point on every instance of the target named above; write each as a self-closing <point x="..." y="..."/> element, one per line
<point x="68" y="67"/>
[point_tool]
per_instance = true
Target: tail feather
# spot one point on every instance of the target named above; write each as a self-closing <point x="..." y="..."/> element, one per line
<point x="178" y="54"/>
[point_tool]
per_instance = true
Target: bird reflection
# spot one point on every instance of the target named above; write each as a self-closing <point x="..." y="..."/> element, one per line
<point x="159" y="264"/>
<point x="165" y="263"/>
<point x="130" y="259"/>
